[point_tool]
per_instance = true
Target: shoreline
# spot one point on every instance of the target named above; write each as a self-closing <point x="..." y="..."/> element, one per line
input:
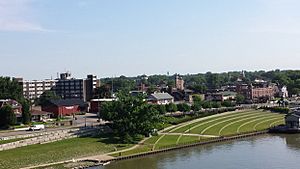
<point x="210" y="141"/>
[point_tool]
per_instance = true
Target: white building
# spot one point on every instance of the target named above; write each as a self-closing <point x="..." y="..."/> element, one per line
<point x="284" y="92"/>
<point x="33" y="89"/>
<point x="161" y="98"/>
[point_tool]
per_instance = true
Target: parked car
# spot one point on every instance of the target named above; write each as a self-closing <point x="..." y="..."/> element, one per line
<point x="37" y="127"/>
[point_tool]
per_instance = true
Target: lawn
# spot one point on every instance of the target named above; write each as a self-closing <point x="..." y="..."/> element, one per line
<point x="58" y="151"/>
<point x="211" y="120"/>
<point x="220" y="125"/>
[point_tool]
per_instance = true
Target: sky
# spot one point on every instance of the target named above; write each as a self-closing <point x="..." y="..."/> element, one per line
<point x="39" y="38"/>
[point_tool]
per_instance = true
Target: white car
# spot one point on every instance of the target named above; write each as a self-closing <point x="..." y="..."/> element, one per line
<point x="37" y="127"/>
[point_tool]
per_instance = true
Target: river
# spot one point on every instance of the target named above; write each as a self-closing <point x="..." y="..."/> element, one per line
<point x="260" y="152"/>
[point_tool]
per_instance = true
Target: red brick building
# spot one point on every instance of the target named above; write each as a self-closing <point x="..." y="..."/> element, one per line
<point x="95" y="104"/>
<point x="65" y="107"/>
<point x="258" y="91"/>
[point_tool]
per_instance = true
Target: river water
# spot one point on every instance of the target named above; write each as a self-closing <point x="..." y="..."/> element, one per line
<point x="260" y="152"/>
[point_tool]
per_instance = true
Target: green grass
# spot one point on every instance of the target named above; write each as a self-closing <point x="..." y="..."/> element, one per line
<point x="166" y="141"/>
<point x="57" y="151"/>
<point x="188" y="139"/>
<point x="231" y="122"/>
<point x="227" y="116"/>
<point x="140" y="149"/>
<point x="225" y="124"/>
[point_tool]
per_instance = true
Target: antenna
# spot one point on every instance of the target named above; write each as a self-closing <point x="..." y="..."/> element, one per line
<point x="112" y="86"/>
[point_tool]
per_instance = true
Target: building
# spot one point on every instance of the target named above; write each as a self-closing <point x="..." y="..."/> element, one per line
<point x="161" y="98"/>
<point x="293" y="121"/>
<point x="72" y="88"/>
<point x="259" y="91"/>
<point x="33" y="89"/>
<point x="95" y="105"/>
<point x="65" y="107"/>
<point x="179" y="82"/>
<point x="64" y="86"/>
<point x="40" y="116"/>
<point x="16" y="106"/>
<point x="284" y="92"/>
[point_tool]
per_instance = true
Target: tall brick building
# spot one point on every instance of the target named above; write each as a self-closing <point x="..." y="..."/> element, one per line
<point x="258" y="91"/>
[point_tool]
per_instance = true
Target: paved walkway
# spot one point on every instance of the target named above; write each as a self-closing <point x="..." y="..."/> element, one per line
<point x="190" y="134"/>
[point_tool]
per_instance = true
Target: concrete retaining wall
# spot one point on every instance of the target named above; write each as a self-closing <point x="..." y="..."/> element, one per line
<point x="47" y="137"/>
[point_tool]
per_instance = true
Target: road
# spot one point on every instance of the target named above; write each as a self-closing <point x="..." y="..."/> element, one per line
<point x="88" y="119"/>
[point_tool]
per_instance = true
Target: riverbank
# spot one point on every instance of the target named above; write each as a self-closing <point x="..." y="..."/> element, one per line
<point x="257" y="152"/>
<point x="212" y="129"/>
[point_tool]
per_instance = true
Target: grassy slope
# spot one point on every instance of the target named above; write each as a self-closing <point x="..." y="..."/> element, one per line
<point x="57" y="151"/>
<point x="231" y="122"/>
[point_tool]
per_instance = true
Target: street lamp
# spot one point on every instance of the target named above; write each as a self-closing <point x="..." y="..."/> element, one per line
<point x="85" y="121"/>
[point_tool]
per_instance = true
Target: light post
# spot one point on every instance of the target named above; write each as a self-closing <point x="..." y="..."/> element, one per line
<point x="85" y="121"/>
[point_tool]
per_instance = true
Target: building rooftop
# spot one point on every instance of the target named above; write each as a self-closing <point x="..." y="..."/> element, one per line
<point x="161" y="96"/>
<point x="68" y="102"/>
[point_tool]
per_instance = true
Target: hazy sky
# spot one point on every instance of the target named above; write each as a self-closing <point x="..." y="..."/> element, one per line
<point x="39" y="38"/>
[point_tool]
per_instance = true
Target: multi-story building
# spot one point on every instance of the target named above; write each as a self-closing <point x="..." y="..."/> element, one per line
<point x="65" y="86"/>
<point x="35" y="88"/>
<point x="259" y="91"/>
<point x="71" y="88"/>
<point x="179" y="82"/>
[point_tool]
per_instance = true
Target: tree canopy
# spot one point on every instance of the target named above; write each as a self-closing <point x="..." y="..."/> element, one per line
<point x="130" y="116"/>
<point x="7" y="117"/>
<point x="10" y="89"/>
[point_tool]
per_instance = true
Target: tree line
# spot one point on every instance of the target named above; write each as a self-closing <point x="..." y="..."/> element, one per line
<point x="10" y="89"/>
<point x="203" y="82"/>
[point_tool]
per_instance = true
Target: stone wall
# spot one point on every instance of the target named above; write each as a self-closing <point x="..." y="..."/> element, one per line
<point x="46" y="137"/>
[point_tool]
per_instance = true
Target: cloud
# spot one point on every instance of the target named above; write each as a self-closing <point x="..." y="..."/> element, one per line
<point x="16" y="15"/>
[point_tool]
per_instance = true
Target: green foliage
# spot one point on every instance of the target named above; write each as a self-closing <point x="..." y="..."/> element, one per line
<point x="26" y="116"/>
<point x="10" y="89"/>
<point x="171" y="107"/>
<point x="216" y="104"/>
<point x="183" y="107"/>
<point x="161" y="109"/>
<point x="207" y="105"/>
<point x="103" y="91"/>
<point x="240" y="98"/>
<point x="7" y="117"/>
<point x="130" y="116"/>
<point x="196" y="106"/>
<point x="46" y="97"/>
<point x="151" y="89"/>
<point x="283" y="110"/>
<point x="228" y="103"/>
<point x="121" y="83"/>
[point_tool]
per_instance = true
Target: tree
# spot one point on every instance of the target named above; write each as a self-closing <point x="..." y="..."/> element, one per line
<point x="216" y="104"/>
<point x="240" y="98"/>
<point x="7" y="116"/>
<point x="171" y="107"/>
<point x="103" y="91"/>
<point x="197" y="103"/>
<point x="161" y="109"/>
<point x="227" y="103"/>
<point x="151" y="89"/>
<point x="196" y="106"/>
<point x="46" y="97"/>
<point x="183" y="107"/>
<point x="10" y="89"/>
<point x="26" y="115"/>
<point x="130" y="116"/>
<point x="207" y="105"/>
